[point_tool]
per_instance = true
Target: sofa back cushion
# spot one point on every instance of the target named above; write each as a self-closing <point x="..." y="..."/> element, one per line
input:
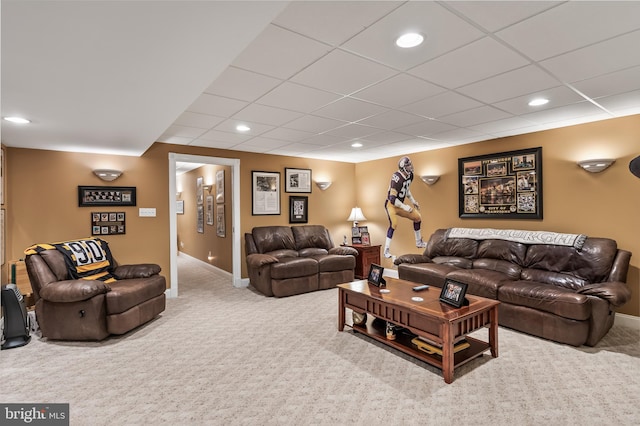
<point x="273" y="238"/>
<point x="440" y="245"/>
<point x="311" y="236"/>
<point x="591" y="264"/>
<point x="502" y="250"/>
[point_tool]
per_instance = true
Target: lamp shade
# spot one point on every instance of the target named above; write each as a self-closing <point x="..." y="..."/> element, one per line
<point x="356" y="215"/>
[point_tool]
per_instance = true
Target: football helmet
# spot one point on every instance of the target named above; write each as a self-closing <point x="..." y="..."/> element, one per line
<point x="405" y="165"/>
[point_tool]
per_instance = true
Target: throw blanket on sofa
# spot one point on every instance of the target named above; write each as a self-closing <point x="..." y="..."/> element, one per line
<point x="519" y="236"/>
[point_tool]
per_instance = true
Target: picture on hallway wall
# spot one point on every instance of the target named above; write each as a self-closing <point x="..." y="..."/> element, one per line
<point x="505" y="185"/>
<point x="221" y="228"/>
<point x="209" y="209"/>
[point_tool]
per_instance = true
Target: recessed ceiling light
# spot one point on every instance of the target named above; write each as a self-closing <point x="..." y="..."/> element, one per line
<point x="409" y="40"/>
<point x="538" y="102"/>
<point x="18" y="120"/>
<point x="356" y="145"/>
<point x="242" y="128"/>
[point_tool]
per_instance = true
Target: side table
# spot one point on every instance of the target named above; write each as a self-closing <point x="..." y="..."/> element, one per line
<point x="366" y="256"/>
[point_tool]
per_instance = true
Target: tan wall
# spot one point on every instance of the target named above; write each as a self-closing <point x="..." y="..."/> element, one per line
<point x="206" y="246"/>
<point x="42" y="193"/>
<point x="603" y="204"/>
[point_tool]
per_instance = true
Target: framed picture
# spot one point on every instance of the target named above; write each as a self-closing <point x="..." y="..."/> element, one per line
<point x="375" y="275"/>
<point x="199" y="190"/>
<point x="220" y="221"/>
<point x="355" y="231"/>
<point x="297" y="180"/>
<point x="209" y="209"/>
<point x="180" y="206"/>
<point x="356" y="240"/>
<point x="366" y="239"/>
<point x="265" y="193"/>
<point x="106" y="196"/>
<point x="220" y="186"/>
<point x="453" y="293"/>
<point x="108" y="223"/>
<point x="200" y="219"/>
<point x="505" y="185"/>
<point x="298" y="209"/>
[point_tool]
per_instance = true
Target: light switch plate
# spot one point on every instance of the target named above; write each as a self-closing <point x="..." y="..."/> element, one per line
<point x="147" y="212"/>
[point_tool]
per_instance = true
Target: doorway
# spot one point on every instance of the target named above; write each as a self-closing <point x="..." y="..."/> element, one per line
<point x="234" y="164"/>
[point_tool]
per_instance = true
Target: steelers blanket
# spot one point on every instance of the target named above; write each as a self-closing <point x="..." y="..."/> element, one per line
<point x="88" y="259"/>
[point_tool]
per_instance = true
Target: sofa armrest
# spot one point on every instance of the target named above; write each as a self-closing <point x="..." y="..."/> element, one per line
<point x="343" y="250"/>
<point x="412" y="258"/>
<point x="257" y="260"/>
<point x="143" y="270"/>
<point x="73" y="290"/>
<point x="615" y="292"/>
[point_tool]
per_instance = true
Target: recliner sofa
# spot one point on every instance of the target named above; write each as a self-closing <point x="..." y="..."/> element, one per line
<point x="114" y="299"/>
<point x="288" y="260"/>
<point x="567" y="294"/>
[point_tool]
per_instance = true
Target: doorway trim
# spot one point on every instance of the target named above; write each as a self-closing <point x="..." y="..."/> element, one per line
<point x="234" y="163"/>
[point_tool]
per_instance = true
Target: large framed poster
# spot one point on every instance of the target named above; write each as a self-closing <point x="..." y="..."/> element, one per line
<point x="506" y="185"/>
<point x="265" y="188"/>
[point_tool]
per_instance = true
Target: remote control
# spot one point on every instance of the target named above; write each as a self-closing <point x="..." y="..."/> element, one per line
<point x="420" y="287"/>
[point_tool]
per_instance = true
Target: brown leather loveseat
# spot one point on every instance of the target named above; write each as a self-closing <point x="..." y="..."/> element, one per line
<point x="81" y="293"/>
<point x="561" y="287"/>
<point x="287" y="260"/>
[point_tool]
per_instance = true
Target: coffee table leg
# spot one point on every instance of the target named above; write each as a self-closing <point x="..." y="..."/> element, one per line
<point x="447" y="353"/>
<point x="493" y="332"/>
<point x="340" y="310"/>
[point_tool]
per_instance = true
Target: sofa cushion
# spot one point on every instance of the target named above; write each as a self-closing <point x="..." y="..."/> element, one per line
<point x="592" y="263"/>
<point x="282" y="254"/>
<point x="482" y="282"/>
<point x="335" y="262"/>
<point x="312" y="251"/>
<point x="314" y="236"/>
<point x="458" y="262"/>
<point x="555" y="278"/>
<point x="546" y="297"/>
<point x="125" y="294"/>
<point x="293" y="267"/>
<point x="440" y="245"/>
<point x="425" y="273"/>
<point x="503" y="250"/>
<point x="272" y="238"/>
<point x="510" y="269"/>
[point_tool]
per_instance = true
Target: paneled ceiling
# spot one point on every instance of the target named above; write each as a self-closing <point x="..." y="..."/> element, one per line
<point x="311" y="78"/>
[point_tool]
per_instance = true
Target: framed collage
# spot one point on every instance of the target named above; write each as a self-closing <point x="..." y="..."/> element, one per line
<point x="506" y="185"/>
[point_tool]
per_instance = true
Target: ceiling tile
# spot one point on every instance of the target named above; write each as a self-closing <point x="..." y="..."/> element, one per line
<point x="240" y="84"/>
<point x="442" y="104"/>
<point x="622" y="104"/>
<point x="343" y="73"/>
<point x="216" y="105"/>
<point x="601" y="58"/>
<point x="452" y="70"/>
<point x="474" y="116"/>
<point x="385" y="138"/>
<point x="391" y="120"/>
<point x="175" y="140"/>
<point x="226" y="137"/>
<point x="267" y="115"/>
<point x="266" y="144"/>
<point x="313" y="124"/>
<point x="349" y="110"/>
<point x="557" y="96"/>
<point x="561" y="114"/>
<point x="399" y="90"/>
<point x="511" y="123"/>
<point x="610" y="84"/>
<point x="183" y="131"/>
<point x="230" y="125"/>
<point x="351" y="131"/>
<point x="285" y="134"/>
<point x="297" y="97"/>
<point x="588" y="21"/>
<point x="270" y="53"/>
<point x="427" y="127"/>
<point x="510" y="84"/>
<point x="442" y="30"/>
<point x="347" y="18"/>
<point x="194" y="119"/>
<point x="211" y="143"/>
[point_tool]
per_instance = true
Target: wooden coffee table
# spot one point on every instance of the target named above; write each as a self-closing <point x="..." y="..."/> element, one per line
<point x="436" y="321"/>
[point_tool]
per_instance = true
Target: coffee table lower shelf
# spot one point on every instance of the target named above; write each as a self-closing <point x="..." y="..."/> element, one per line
<point x="403" y="344"/>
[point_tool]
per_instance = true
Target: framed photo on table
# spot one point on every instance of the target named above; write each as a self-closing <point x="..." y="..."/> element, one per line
<point x="297" y="180"/>
<point x="453" y="293"/>
<point x="265" y="194"/>
<point x="375" y="275"/>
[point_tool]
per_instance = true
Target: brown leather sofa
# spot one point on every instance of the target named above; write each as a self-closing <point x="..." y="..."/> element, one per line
<point x="81" y="309"/>
<point x="287" y="260"/>
<point x="561" y="293"/>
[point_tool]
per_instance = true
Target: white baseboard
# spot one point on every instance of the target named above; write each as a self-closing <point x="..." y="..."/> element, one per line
<point x="207" y="265"/>
<point x="628" y="321"/>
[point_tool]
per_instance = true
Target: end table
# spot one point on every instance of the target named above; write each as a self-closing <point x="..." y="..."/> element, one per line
<point x="366" y="256"/>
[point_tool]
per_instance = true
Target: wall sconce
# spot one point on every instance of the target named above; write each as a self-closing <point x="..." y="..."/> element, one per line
<point x="356" y="216"/>
<point x="107" y="174"/>
<point x="595" y="166"/>
<point x="179" y="194"/>
<point x="430" y="180"/>
<point x="323" y="185"/>
<point x="207" y="188"/>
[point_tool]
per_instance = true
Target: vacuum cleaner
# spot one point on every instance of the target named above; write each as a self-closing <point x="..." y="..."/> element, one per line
<point x="16" y="320"/>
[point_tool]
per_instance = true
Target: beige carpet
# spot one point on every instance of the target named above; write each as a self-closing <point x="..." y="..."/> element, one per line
<point x="220" y="355"/>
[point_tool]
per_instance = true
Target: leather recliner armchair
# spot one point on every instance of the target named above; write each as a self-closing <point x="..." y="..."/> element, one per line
<point x="69" y="308"/>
